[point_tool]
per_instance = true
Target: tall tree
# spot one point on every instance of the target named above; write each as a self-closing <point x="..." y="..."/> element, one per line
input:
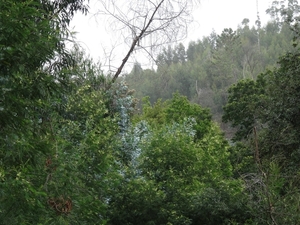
<point x="266" y="114"/>
<point x="32" y="83"/>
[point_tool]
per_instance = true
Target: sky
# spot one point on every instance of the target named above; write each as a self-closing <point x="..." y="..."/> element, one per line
<point x="93" y="34"/>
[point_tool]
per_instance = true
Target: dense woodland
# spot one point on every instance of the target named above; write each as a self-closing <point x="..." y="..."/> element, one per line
<point x="212" y="136"/>
<point x="208" y="67"/>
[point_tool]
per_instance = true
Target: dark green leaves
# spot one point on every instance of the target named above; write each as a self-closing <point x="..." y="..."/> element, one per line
<point x="245" y="99"/>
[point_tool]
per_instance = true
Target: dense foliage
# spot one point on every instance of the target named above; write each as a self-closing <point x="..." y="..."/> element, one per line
<point x="51" y="140"/>
<point x="182" y="170"/>
<point x="76" y="149"/>
<point x="266" y="114"/>
<point x="208" y="67"/>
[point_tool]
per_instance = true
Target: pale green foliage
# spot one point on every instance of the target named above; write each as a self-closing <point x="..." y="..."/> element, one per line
<point x="181" y="169"/>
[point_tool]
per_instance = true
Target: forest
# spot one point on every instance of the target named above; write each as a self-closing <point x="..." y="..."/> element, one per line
<point x="210" y="136"/>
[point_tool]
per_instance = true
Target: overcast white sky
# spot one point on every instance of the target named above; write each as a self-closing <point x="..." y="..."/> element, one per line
<point x="209" y="15"/>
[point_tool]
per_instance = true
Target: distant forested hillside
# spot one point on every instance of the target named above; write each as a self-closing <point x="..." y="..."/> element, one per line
<point x="205" y="70"/>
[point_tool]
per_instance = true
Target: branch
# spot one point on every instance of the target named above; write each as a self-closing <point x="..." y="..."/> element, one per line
<point x="134" y="43"/>
<point x="264" y="175"/>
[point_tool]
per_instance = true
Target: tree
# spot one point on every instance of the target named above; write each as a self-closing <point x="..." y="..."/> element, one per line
<point x="182" y="170"/>
<point x="166" y="57"/>
<point x="86" y="166"/>
<point x="34" y="87"/>
<point x="270" y="105"/>
<point x="209" y="71"/>
<point x="244" y="101"/>
<point x="162" y="21"/>
<point x="224" y="67"/>
<point x="266" y="113"/>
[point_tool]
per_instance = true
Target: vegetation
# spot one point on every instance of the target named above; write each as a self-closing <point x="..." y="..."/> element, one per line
<point x="76" y="148"/>
<point x="207" y="68"/>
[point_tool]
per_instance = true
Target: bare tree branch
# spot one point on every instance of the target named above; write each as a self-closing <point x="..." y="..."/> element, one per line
<point x="135" y="41"/>
<point x="167" y="20"/>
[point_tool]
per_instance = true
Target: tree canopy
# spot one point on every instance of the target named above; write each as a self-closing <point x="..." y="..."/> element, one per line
<point x="77" y="148"/>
